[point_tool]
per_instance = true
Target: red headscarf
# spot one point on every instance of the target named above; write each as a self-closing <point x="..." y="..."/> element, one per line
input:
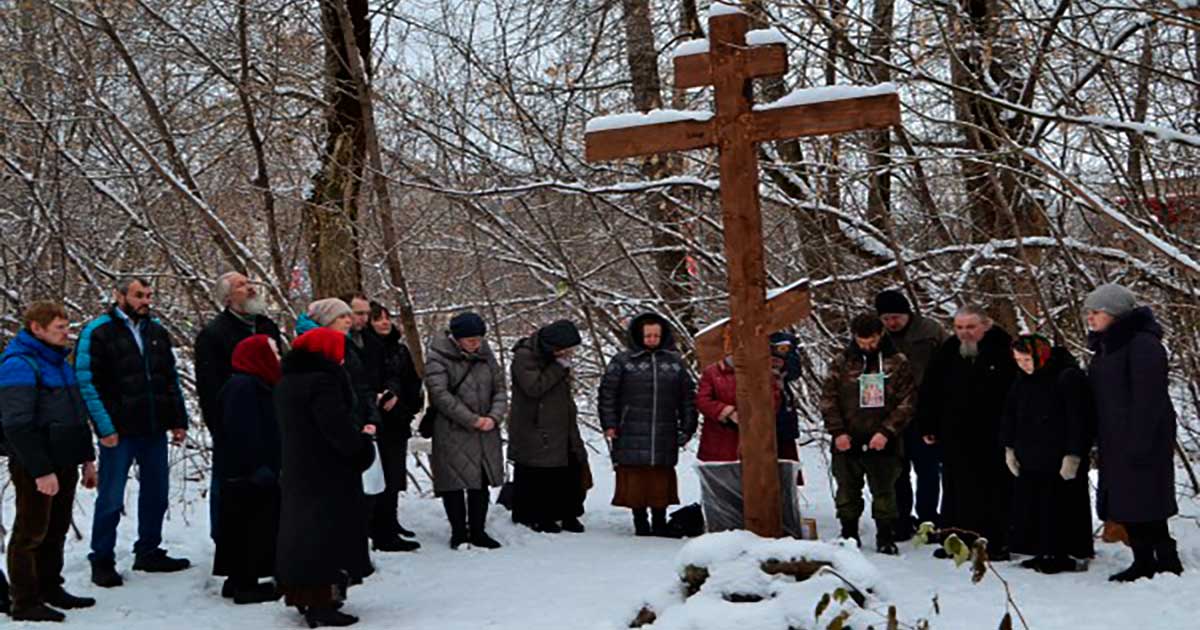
<point x="255" y="357"/>
<point x="326" y="342"/>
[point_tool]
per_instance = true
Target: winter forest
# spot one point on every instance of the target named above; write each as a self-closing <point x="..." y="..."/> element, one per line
<point x="430" y="153"/>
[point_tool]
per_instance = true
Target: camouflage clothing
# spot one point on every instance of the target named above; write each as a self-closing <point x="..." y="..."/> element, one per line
<point x="841" y="391"/>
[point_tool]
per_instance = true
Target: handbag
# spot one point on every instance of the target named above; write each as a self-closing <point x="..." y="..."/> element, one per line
<point x="429" y="418"/>
<point x="372" y="478"/>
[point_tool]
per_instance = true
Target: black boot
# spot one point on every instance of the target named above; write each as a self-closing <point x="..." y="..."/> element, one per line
<point x="60" y="598"/>
<point x="850" y="530"/>
<point x="394" y="544"/>
<point x="885" y="543"/>
<point x="641" y="522"/>
<point x="658" y="523"/>
<point x="903" y="529"/>
<point x="456" y="512"/>
<point x="328" y="616"/>
<point x="1143" y="566"/>
<point x="1166" y="555"/>
<point x="104" y="574"/>
<point x="256" y="593"/>
<point x="572" y="525"/>
<point x="5" y="604"/>
<point x="477" y="508"/>
<point x="405" y="532"/>
<point x="158" y="561"/>
<point x="38" y="612"/>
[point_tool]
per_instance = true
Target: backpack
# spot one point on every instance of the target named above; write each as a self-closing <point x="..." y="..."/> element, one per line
<point x="37" y="381"/>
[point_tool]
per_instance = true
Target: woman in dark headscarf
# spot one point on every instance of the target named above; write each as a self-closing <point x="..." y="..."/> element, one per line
<point x="1046" y="433"/>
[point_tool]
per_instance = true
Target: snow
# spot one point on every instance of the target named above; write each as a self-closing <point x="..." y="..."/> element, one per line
<point x="690" y="47"/>
<point x="600" y="579"/>
<point x="723" y="7"/>
<point x="807" y="96"/>
<point x="764" y="37"/>
<point x="637" y="119"/>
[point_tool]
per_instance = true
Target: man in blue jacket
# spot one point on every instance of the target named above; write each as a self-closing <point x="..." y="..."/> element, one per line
<point x="50" y="448"/>
<point x="127" y="376"/>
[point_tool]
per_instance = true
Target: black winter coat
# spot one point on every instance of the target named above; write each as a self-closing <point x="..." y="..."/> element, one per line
<point x="249" y="465"/>
<point x="649" y="397"/>
<point x="1136" y="420"/>
<point x="214" y="359"/>
<point x="127" y="390"/>
<point x="1048" y="414"/>
<point x="397" y="375"/>
<point x="364" y="371"/>
<point x="323" y="515"/>
<point x="543" y="431"/>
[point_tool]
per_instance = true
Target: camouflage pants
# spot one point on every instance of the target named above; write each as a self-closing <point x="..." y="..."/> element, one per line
<point x="880" y="470"/>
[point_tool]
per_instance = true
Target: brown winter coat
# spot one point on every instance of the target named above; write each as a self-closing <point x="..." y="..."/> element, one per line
<point x="463" y="456"/>
<point x="918" y="342"/>
<point x="840" y="396"/>
<point x="543" y="430"/>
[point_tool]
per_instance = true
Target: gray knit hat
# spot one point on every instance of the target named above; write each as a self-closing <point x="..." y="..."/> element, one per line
<point x="1113" y="299"/>
<point x="325" y="311"/>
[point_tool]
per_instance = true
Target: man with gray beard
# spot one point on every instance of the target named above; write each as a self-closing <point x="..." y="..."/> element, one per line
<point x="243" y="316"/>
<point x="959" y="407"/>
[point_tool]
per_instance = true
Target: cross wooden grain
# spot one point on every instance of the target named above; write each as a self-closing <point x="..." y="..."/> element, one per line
<point x="729" y="66"/>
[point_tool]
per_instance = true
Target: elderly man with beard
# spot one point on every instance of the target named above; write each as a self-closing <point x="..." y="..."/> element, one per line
<point x="244" y="315"/>
<point x="959" y="407"/>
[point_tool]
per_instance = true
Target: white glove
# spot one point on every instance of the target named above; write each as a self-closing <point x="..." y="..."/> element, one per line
<point x="1010" y="458"/>
<point x="1070" y="467"/>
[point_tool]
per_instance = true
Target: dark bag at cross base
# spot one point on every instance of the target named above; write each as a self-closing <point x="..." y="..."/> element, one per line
<point x="687" y="521"/>
<point x="429" y="418"/>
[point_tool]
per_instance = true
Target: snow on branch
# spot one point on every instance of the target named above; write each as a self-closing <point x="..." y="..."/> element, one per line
<point x="808" y="96"/>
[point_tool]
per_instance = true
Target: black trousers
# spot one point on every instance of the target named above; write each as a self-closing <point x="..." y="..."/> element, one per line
<point x="384" y="506"/>
<point x="35" y="552"/>
<point x="547" y="495"/>
<point x="1147" y="534"/>
<point x="926" y="461"/>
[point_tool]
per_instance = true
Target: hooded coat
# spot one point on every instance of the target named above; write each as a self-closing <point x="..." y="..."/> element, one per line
<point x="543" y="430"/>
<point x="464" y="457"/>
<point x="1136" y="420"/>
<point x="648" y="396"/>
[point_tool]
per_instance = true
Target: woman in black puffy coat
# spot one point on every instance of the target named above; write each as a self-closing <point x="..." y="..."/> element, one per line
<point x="648" y="411"/>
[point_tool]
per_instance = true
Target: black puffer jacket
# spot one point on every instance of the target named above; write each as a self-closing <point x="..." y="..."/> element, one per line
<point x="398" y="376"/>
<point x="214" y="359"/>
<point x="128" y="390"/>
<point x="1049" y="414"/>
<point x="649" y="397"/>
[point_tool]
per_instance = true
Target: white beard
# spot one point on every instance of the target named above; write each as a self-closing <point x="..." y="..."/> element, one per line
<point x="968" y="350"/>
<point x="256" y="305"/>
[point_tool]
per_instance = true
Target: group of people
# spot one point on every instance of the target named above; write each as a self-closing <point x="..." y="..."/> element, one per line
<point x="1001" y="428"/>
<point x="1004" y="429"/>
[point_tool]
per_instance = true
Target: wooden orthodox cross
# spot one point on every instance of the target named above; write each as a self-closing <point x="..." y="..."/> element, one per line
<point x="729" y="64"/>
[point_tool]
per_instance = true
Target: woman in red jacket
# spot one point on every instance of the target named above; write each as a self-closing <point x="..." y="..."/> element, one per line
<point x="717" y="401"/>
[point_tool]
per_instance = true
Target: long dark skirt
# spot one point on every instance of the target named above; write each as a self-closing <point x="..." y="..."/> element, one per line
<point x="547" y="495"/>
<point x="640" y="487"/>
<point x="1051" y="517"/>
<point x="246" y="536"/>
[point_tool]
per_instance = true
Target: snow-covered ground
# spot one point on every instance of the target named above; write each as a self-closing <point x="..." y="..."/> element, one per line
<point x="601" y="578"/>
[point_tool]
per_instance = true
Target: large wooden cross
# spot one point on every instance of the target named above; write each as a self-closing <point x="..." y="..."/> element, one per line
<point x="729" y="64"/>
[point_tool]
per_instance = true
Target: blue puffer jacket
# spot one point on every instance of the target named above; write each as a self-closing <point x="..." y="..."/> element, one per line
<point x="43" y="415"/>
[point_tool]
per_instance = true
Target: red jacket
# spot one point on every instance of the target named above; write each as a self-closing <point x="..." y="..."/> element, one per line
<point x="718" y="389"/>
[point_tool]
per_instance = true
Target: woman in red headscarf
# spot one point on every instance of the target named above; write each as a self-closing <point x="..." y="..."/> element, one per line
<point x="1047" y="433"/>
<point x="249" y="487"/>
<point x="322" y="546"/>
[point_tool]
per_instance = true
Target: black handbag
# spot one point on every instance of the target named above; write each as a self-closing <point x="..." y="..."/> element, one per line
<point x="429" y="418"/>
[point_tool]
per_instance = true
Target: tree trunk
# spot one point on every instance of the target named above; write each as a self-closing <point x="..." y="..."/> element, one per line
<point x="331" y="216"/>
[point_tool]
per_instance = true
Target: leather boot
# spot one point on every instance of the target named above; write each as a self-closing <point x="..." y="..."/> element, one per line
<point x="1143" y="566"/>
<point x="1167" y="556"/>
<point x="456" y="513"/>
<point x="885" y="542"/>
<point x="850" y="530"/>
<point x="641" y="522"/>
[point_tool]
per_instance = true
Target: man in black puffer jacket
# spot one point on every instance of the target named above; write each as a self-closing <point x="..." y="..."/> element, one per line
<point x="648" y="410"/>
<point x="127" y="377"/>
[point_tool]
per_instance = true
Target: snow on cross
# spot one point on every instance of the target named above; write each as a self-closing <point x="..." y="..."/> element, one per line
<point x="728" y="63"/>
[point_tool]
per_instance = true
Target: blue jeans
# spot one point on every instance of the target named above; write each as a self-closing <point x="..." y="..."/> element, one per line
<point x="150" y="453"/>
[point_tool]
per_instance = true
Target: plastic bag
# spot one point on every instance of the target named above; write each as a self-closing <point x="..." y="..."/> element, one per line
<point x="373" y="479"/>
<point x="721" y="496"/>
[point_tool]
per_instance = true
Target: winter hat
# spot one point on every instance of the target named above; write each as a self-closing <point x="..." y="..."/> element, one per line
<point x="892" y="302"/>
<point x="326" y="342"/>
<point x="782" y="343"/>
<point x="325" y="311"/>
<point x="560" y="335"/>
<point x="254" y="356"/>
<point x="1036" y="346"/>
<point x="466" y="325"/>
<point x="1112" y="298"/>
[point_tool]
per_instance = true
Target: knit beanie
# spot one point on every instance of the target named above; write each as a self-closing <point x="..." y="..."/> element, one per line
<point x="560" y="335"/>
<point x="466" y="325"/>
<point x="892" y="302"/>
<point x="1112" y="298"/>
<point x="326" y="342"/>
<point x="325" y="311"/>
<point x="1036" y="346"/>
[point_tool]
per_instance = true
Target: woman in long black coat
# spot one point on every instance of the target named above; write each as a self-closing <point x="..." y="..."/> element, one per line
<point x="249" y="484"/>
<point x="323" y="537"/>
<point x="1136" y="432"/>
<point x="1046" y="432"/>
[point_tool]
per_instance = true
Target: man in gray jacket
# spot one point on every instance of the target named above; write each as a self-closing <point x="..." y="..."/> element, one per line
<point x="917" y="338"/>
